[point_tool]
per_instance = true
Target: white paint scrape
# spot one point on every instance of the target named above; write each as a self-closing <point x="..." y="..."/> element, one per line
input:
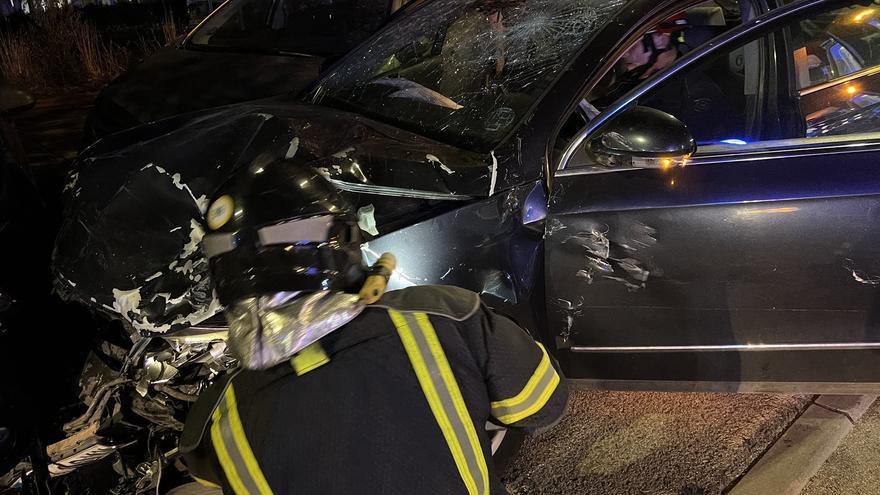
<point x="294" y="147"/>
<point x="72" y="184"/>
<point x="434" y="160"/>
<point x="195" y="237"/>
<point x="344" y="153"/>
<point x="494" y="178"/>
<point x="201" y="202"/>
<point x="127" y="302"/>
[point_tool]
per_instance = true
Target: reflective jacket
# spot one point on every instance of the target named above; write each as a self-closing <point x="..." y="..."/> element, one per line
<point x="395" y="402"/>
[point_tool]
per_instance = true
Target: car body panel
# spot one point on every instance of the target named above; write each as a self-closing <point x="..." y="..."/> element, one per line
<point x="493" y="246"/>
<point x="749" y="267"/>
<point x="770" y="252"/>
<point x="129" y="242"/>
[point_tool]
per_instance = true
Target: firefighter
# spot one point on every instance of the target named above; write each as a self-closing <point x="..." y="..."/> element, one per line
<point x="342" y="389"/>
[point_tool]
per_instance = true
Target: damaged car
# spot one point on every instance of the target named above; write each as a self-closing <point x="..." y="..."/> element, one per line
<point x="702" y="219"/>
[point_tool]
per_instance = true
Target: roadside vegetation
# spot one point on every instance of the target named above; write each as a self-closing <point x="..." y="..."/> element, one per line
<point x="58" y="49"/>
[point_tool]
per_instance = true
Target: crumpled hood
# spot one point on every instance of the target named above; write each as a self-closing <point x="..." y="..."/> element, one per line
<point x="129" y="243"/>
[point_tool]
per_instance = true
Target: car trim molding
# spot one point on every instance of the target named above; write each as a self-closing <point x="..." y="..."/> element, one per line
<point x="819" y="346"/>
<point x="803" y="148"/>
<point x="840" y="80"/>
<point x="837" y="388"/>
<point x="396" y="191"/>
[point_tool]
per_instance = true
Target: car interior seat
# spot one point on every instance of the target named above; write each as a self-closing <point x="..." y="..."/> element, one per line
<point x="728" y="73"/>
<point x="706" y="22"/>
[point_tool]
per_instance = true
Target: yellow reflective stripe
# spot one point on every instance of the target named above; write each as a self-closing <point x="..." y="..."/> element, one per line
<point x="530" y="385"/>
<point x="433" y="372"/>
<point x="206" y="483"/>
<point x="244" y="448"/>
<point x="223" y="456"/>
<point x="308" y="359"/>
<point x="536" y="406"/>
<point x="533" y="396"/>
<point x="430" y="392"/>
<point x="233" y="450"/>
<point x="458" y="400"/>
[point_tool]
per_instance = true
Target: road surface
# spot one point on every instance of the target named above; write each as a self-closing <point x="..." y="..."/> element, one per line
<point x="656" y="443"/>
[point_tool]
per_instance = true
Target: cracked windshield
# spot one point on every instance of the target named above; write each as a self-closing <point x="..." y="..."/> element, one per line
<point x="465" y="72"/>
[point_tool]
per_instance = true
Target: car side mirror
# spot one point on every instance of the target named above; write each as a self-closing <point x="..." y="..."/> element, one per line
<point x="642" y="137"/>
<point x="13" y="101"/>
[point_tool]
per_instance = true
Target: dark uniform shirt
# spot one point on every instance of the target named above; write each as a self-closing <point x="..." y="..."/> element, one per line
<point x="395" y="402"/>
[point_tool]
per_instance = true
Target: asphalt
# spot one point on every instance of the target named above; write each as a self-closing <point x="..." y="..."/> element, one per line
<point x="854" y="468"/>
<point x="652" y="443"/>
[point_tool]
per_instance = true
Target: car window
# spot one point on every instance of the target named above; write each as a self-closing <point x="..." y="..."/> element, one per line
<point x="837" y="62"/>
<point x="464" y="72"/>
<point x="657" y="50"/>
<point x="741" y="98"/>
<point x="719" y="100"/>
<point x="327" y="28"/>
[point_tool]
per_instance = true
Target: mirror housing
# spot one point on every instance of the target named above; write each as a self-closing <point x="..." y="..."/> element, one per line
<point x="643" y="137"/>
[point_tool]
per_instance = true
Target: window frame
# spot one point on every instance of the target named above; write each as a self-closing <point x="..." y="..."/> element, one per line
<point x="763" y="25"/>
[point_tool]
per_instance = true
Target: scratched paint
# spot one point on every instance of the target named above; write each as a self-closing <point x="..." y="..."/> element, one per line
<point x="570" y="312"/>
<point x="436" y="161"/>
<point x="292" y="149"/>
<point x="134" y="209"/>
<point x="611" y="256"/>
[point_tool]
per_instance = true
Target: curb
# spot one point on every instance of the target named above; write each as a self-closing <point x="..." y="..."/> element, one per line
<point x="787" y="466"/>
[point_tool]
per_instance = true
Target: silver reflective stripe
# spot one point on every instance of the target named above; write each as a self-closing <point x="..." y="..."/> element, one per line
<point x="233" y="450"/>
<point x="217" y="244"/>
<point x="444" y="397"/>
<point x="315" y="229"/>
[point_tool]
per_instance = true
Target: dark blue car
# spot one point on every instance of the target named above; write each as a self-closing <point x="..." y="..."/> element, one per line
<point x="677" y="195"/>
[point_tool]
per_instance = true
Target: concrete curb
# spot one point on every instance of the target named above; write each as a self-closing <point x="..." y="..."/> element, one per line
<point x="788" y="465"/>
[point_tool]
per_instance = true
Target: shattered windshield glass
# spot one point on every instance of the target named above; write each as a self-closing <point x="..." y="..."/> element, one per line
<point x="464" y="72"/>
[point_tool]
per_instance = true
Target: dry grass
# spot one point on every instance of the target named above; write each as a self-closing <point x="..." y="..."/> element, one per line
<point x="59" y="49"/>
<point x="169" y="28"/>
<point x="99" y="61"/>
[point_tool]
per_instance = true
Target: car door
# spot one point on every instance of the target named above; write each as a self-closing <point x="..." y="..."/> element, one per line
<point x="753" y="264"/>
